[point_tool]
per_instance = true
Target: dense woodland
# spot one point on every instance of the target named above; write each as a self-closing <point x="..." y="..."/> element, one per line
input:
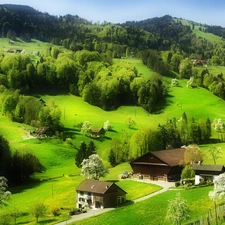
<point x="80" y="62"/>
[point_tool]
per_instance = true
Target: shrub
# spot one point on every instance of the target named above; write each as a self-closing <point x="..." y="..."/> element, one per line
<point x="177" y="183"/>
<point x="5" y="219"/>
<point x="55" y="210"/>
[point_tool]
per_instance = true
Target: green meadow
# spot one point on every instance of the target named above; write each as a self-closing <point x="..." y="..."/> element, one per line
<point x="153" y="210"/>
<point x="56" y="185"/>
<point x="33" y="46"/>
<point x="200" y="33"/>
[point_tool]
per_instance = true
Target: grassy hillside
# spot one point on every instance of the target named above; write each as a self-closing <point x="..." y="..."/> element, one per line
<point x="33" y="46"/>
<point x="200" y="33"/>
<point x="154" y="209"/>
<point x="58" y="156"/>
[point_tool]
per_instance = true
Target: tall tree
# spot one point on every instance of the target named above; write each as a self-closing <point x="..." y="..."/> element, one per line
<point x="93" y="167"/>
<point x="215" y="153"/>
<point x="81" y="154"/>
<point x="84" y="152"/>
<point x="192" y="154"/>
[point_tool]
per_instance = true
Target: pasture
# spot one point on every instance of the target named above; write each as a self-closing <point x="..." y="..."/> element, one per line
<point x="199" y="32"/>
<point x="33" y="46"/>
<point x="58" y="181"/>
<point x="154" y="209"/>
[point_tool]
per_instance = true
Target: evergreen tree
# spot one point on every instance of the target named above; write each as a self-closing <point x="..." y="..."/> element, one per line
<point x="112" y="158"/>
<point x="91" y="149"/>
<point x="81" y="153"/>
<point x="84" y="152"/>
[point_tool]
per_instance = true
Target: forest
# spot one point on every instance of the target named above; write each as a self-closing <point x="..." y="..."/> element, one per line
<point x="80" y="62"/>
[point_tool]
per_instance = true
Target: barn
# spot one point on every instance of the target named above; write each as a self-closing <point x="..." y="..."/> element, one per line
<point x="164" y="165"/>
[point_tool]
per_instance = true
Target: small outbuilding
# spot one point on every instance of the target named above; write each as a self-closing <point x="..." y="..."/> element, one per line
<point x="164" y="165"/>
<point x="99" y="194"/>
<point x="207" y="172"/>
<point x="44" y="132"/>
<point x="97" y="132"/>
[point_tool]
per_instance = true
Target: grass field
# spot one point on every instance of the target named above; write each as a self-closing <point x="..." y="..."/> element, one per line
<point x="208" y="36"/>
<point x="58" y="156"/>
<point x="33" y="46"/>
<point x="153" y="210"/>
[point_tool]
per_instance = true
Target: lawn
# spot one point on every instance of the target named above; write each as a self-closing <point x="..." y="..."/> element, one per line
<point x="154" y="209"/>
<point x="60" y="192"/>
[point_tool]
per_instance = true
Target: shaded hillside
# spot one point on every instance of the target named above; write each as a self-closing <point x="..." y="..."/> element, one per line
<point x="24" y="20"/>
<point x="126" y="39"/>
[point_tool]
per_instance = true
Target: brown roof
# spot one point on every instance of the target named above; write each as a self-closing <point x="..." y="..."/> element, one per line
<point x="171" y="157"/>
<point x="94" y="186"/>
<point x="42" y="130"/>
<point x="202" y="167"/>
<point x="97" y="129"/>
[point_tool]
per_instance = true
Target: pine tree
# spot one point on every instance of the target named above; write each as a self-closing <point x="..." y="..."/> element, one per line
<point x="80" y="156"/>
<point x="112" y="158"/>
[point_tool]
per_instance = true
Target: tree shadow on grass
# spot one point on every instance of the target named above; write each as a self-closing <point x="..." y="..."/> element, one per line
<point x="72" y="131"/>
<point x="32" y="184"/>
<point x="112" y="131"/>
<point x="101" y="139"/>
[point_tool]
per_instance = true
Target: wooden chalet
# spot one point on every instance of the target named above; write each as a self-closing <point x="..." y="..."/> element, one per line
<point x="207" y="172"/>
<point x="161" y="165"/>
<point x="99" y="194"/>
<point x="44" y="132"/>
<point x="97" y="132"/>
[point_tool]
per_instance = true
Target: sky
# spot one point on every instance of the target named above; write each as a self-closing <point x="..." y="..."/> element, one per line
<point x="211" y="12"/>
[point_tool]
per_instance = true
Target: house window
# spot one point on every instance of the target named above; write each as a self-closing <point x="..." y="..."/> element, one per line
<point x="81" y="200"/>
<point x="118" y="199"/>
<point x="81" y="193"/>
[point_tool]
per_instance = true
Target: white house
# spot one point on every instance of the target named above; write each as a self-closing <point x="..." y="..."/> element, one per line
<point x="207" y="172"/>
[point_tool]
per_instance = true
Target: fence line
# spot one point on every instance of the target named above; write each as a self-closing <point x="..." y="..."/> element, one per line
<point x="212" y="217"/>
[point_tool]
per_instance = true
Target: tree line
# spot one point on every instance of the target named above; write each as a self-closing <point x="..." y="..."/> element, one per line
<point x="17" y="166"/>
<point x="122" y="40"/>
<point x="31" y="110"/>
<point x="173" y="134"/>
<point x="83" y="73"/>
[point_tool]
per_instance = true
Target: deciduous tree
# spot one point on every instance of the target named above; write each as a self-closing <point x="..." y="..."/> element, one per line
<point x="215" y="153"/>
<point x="93" y="167"/>
<point x="86" y="127"/>
<point x="4" y="194"/>
<point x="38" y="209"/>
<point x="178" y="210"/>
<point x="192" y="154"/>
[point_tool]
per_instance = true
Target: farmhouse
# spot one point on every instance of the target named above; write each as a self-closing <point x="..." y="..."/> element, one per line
<point x="161" y="165"/>
<point x="99" y="194"/>
<point x="44" y="132"/>
<point x="207" y="172"/>
<point x="97" y="132"/>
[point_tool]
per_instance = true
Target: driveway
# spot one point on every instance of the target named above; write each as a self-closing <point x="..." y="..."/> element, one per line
<point x="93" y="212"/>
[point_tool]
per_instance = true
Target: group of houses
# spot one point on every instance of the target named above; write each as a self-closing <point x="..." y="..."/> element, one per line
<point x="157" y="166"/>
